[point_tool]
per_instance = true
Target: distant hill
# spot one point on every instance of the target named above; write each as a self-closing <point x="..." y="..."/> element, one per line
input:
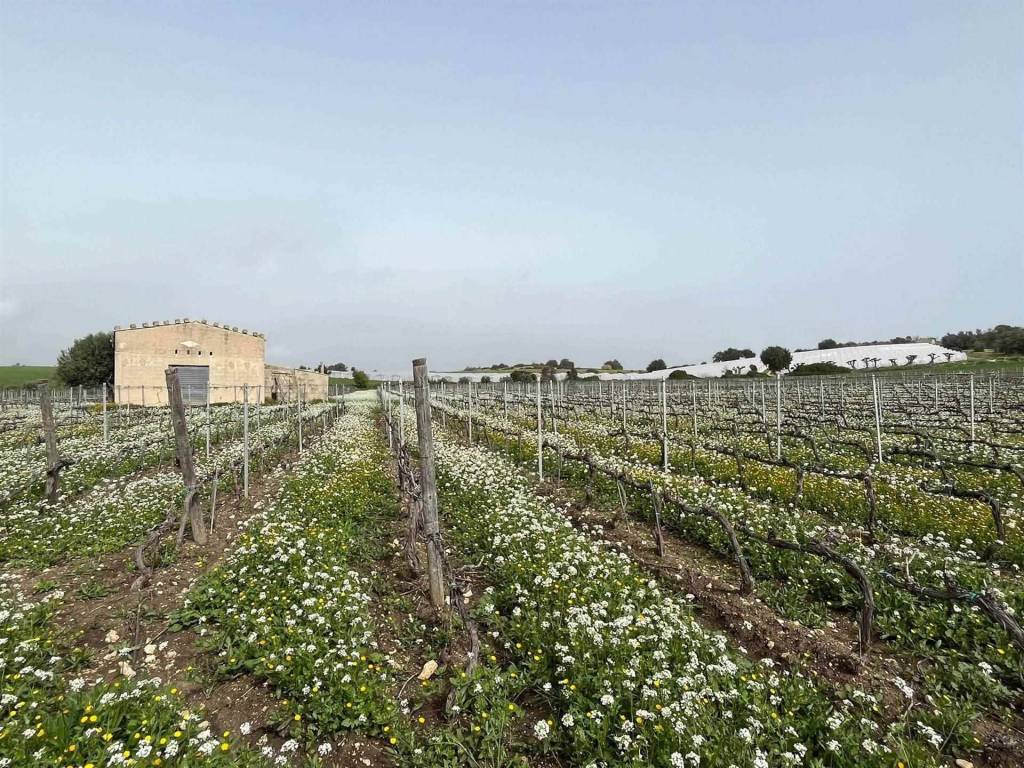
<point x="24" y="375"/>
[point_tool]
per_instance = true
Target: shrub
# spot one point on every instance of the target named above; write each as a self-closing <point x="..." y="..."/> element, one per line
<point x="818" y="369"/>
<point x="360" y="379"/>
<point x="656" y="365"/>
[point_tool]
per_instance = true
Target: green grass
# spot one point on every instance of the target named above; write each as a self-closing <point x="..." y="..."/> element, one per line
<point x="24" y="375"/>
<point x="976" y="362"/>
<point x="335" y="389"/>
<point x="984" y="361"/>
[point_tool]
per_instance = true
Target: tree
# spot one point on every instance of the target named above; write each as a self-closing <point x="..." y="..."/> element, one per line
<point x="464" y="379"/>
<point x="776" y="358"/>
<point x="547" y="373"/>
<point x="337" y="367"/>
<point x="360" y="379"/>
<point x="827" y="344"/>
<point x="485" y="379"/>
<point x="1006" y="339"/>
<point x="679" y="373"/>
<point x="522" y="377"/>
<point x="656" y="365"/>
<point x="88" y="362"/>
<point x="727" y="355"/>
<point x="1010" y="342"/>
<point x="551" y="364"/>
<point x="612" y="365"/>
<point x="565" y="363"/>
<point x="573" y="374"/>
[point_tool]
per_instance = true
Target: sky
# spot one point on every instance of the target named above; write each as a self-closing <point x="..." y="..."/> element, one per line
<point x="510" y="181"/>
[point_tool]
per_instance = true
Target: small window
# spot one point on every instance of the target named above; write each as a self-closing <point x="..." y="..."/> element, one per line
<point x="175" y="351"/>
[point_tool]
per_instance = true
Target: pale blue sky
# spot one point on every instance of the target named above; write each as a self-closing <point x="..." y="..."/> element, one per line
<point x="482" y="182"/>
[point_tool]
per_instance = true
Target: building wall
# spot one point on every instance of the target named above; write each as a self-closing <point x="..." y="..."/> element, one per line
<point x="142" y="354"/>
<point x="284" y="384"/>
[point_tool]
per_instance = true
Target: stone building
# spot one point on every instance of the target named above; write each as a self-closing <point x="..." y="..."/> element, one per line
<point x="287" y="384"/>
<point x="210" y="358"/>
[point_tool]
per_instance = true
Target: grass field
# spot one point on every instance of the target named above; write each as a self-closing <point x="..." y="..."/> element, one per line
<point x="984" y="361"/>
<point x="24" y="375"/>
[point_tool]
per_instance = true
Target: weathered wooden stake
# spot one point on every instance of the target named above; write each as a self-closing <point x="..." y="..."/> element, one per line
<point x="778" y="417"/>
<point x="245" y="441"/>
<point x="664" y="427"/>
<point x="878" y="418"/>
<point x="53" y="463"/>
<point x="972" y="408"/>
<point x="428" y="483"/>
<point x="659" y="539"/>
<point x="207" y="430"/>
<point x="106" y="426"/>
<point x="192" y="510"/>
<point x="540" y="437"/>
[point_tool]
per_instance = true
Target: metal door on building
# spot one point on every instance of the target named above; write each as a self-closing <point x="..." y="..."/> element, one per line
<point x="194" y="380"/>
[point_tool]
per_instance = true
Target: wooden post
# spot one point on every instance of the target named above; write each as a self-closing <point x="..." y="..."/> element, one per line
<point x="299" y="400"/>
<point x="972" y="409"/>
<point x="207" y="430"/>
<point x="192" y="510"/>
<point x="778" y="417"/>
<point x="624" y="433"/>
<point x="245" y="440"/>
<point x="53" y="464"/>
<point x="540" y="438"/>
<point x="664" y="427"/>
<point x="106" y="426"/>
<point x="878" y="418"/>
<point x="428" y="483"/>
<point x="401" y="412"/>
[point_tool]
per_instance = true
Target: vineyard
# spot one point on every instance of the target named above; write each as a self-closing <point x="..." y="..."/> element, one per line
<point x="762" y="572"/>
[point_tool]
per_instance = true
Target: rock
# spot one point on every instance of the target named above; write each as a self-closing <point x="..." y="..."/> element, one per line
<point x="126" y="669"/>
<point x="961" y="763"/>
<point x="428" y="670"/>
<point x="112" y="636"/>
